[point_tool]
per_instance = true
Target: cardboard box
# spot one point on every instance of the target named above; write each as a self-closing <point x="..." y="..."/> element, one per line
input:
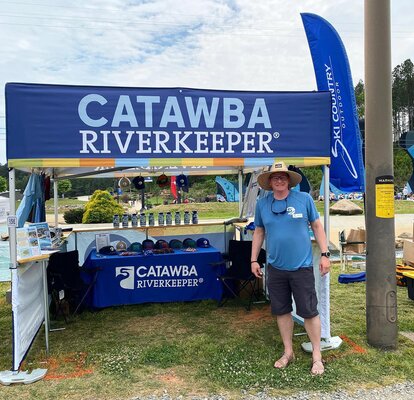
<point x="408" y="251"/>
<point x="356" y="240"/>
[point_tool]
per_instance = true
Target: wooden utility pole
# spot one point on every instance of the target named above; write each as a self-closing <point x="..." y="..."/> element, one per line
<point x="381" y="297"/>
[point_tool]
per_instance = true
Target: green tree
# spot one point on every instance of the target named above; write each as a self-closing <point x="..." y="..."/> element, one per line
<point x="64" y="186"/>
<point x="21" y="177"/>
<point x="86" y="186"/>
<point x="403" y="167"/>
<point x="360" y="98"/>
<point x="3" y="184"/>
<point x="101" y="208"/>
<point x="403" y="97"/>
<point x="202" y="187"/>
<point x="314" y="175"/>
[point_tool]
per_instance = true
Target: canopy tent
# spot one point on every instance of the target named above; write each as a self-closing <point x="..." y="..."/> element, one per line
<point x="68" y="131"/>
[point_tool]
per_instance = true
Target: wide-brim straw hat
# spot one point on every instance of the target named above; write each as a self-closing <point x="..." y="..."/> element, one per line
<point x="279" y="166"/>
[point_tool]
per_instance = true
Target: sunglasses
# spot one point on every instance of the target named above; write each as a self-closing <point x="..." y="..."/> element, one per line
<point x="280" y="212"/>
<point x="282" y="178"/>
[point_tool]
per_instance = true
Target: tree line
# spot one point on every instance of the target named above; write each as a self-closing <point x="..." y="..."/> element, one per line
<point x="402" y="98"/>
<point x="402" y="117"/>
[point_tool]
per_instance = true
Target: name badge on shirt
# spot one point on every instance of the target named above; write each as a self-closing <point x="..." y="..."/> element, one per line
<point x="299" y="215"/>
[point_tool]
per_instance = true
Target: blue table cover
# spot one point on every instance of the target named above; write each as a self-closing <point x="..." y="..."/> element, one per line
<point x="178" y="276"/>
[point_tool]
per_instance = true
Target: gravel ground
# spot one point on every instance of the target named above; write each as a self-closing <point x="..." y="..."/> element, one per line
<point x="399" y="391"/>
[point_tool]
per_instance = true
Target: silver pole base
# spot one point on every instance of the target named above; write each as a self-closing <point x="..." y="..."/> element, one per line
<point x="9" y="377"/>
<point x="331" y="343"/>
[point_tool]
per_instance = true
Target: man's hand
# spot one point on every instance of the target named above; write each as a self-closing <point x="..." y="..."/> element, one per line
<point x="257" y="272"/>
<point x="324" y="265"/>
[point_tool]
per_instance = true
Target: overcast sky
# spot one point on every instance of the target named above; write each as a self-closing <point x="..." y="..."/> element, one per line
<point x="210" y="44"/>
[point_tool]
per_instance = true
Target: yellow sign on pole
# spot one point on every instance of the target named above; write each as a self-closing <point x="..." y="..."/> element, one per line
<point x="384" y="196"/>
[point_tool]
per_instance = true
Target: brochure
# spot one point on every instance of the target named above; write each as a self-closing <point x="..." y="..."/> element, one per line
<point x="43" y="234"/>
<point x="27" y="242"/>
<point x="101" y="240"/>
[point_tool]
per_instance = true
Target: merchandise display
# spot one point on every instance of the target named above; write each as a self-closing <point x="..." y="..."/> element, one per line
<point x="176" y="244"/>
<point x="135" y="247"/>
<point x="203" y="242"/>
<point x="189" y="243"/>
<point x="148" y="244"/>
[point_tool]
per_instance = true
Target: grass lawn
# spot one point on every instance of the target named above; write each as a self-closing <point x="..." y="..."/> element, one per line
<point x="197" y="349"/>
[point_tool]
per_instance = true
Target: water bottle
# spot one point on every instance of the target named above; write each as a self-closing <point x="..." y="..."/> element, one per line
<point x="168" y="218"/>
<point x="134" y="220"/>
<point x="194" y="217"/>
<point x="125" y="221"/>
<point x="160" y="218"/>
<point x="177" y="218"/>
<point x="115" y="221"/>
<point x="142" y="219"/>
<point x="151" y="221"/>
<point x="186" y="217"/>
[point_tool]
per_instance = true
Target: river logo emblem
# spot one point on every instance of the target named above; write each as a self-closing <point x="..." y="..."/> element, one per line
<point x="127" y="277"/>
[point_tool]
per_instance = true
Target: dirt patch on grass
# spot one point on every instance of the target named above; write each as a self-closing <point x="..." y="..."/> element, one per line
<point x="72" y="365"/>
<point x="170" y="378"/>
<point x="253" y="316"/>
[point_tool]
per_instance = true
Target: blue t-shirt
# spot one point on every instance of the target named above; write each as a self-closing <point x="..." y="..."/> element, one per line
<point x="288" y="243"/>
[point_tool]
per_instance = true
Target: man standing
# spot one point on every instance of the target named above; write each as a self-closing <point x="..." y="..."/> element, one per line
<point x="282" y="218"/>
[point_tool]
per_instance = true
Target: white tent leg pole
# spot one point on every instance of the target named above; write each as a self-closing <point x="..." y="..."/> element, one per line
<point x="46" y="304"/>
<point x="327" y="342"/>
<point x="326" y="193"/>
<point x="12" y="230"/>
<point x="240" y="192"/>
<point x="12" y="240"/>
<point x="55" y="202"/>
<point x="324" y="288"/>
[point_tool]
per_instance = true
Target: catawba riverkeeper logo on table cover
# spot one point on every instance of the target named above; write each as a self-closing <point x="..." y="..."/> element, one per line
<point x="157" y="276"/>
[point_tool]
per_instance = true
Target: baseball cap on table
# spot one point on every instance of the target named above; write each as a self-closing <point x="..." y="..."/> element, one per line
<point x="162" y="181"/>
<point x="203" y="242"/>
<point x="108" y="251"/>
<point x="120" y="245"/>
<point x="189" y="243"/>
<point x="135" y="246"/>
<point x="176" y="244"/>
<point x="139" y="182"/>
<point x="147" y="244"/>
<point x="161" y="244"/>
<point x="181" y="181"/>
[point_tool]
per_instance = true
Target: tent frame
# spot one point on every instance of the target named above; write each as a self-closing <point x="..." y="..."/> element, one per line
<point x="55" y="165"/>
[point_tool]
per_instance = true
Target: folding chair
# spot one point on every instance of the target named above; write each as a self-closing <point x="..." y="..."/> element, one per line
<point x="238" y="277"/>
<point x="65" y="284"/>
<point x="349" y="248"/>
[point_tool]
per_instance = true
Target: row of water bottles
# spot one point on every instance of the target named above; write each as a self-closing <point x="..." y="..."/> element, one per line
<point x="163" y="219"/>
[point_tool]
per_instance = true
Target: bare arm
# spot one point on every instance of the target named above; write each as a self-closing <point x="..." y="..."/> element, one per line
<point x="258" y="238"/>
<point x="319" y="232"/>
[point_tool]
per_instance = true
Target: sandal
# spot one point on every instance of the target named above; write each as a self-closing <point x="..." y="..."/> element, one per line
<point x="284" y="361"/>
<point x="317" y="368"/>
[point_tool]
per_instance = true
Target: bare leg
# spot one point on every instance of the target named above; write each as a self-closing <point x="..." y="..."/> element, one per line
<point x="285" y="324"/>
<point x="313" y="329"/>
